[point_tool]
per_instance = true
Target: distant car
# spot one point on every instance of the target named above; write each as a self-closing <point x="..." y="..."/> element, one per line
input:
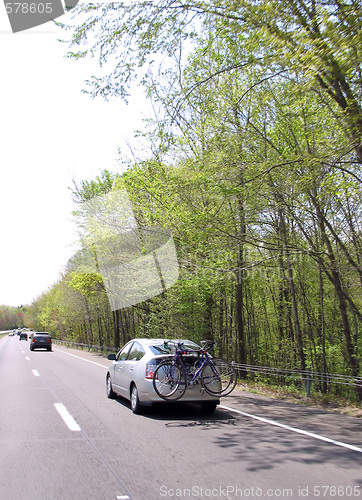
<point x="23" y="336"/>
<point x="131" y="375"/>
<point x="41" y="340"/>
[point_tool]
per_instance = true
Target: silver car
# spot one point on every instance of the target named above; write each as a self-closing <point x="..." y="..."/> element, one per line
<point x="131" y="374"/>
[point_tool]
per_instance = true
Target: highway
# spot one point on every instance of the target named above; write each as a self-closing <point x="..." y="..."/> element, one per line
<point x="62" y="438"/>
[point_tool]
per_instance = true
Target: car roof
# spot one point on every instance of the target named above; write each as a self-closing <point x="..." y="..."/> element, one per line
<point x="160" y="341"/>
<point x="148" y="343"/>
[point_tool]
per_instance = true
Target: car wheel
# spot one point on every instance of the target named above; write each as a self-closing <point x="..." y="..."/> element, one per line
<point x="135" y="402"/>
<point x="208" y="407"/>
<point x="110" y="392"/>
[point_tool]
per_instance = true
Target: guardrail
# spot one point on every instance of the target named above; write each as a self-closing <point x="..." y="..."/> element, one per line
<point x="307" y="377"/>
<point x="88" y="347"/>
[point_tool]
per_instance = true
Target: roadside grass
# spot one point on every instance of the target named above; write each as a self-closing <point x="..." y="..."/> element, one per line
<point x="337" y="404"/>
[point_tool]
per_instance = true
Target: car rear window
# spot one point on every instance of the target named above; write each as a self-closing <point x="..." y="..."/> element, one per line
<point x="170" y="348"/>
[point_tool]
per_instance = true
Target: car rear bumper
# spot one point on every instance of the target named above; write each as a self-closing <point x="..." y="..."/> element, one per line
<point x="193" y="394"/>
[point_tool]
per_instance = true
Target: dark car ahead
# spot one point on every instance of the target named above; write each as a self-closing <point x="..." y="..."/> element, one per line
<point x="23" y="336"/>
<point x="41" y="340"/>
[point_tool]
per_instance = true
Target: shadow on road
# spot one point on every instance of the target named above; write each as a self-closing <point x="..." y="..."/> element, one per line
<point x="264" y="447"/>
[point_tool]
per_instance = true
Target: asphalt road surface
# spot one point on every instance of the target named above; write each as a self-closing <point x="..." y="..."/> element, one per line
<point x="62" y="438"/>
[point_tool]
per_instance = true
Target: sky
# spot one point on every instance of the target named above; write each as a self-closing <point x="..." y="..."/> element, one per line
<point x="50" y="134"/>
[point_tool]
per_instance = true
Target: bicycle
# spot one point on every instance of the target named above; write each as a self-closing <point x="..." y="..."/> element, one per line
<point x="192" y="366"/>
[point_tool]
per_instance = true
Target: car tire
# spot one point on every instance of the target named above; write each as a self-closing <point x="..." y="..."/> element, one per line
<point x="208" y="407"/>
<point x="110" y="392"/>
<point x="135" y="402"/>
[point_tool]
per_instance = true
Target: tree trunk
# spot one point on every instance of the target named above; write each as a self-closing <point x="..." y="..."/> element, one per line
<point x="297" y="329"/>
<point x="342" y="304"/>
<point x="239" y="302"/>
<point x="116" y="328"/>
<point x="89" y="319"/>
<point x="322" y="328"/>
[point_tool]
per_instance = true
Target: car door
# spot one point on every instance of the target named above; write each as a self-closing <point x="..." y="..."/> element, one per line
<point x="130" y="372"/>
<point x="119" y="380"/>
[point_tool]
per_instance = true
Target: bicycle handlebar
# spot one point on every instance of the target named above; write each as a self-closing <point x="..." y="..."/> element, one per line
<point x="208" y="344"/>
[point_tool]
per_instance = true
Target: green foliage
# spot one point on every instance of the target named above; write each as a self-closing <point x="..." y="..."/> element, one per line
<point x="86" y="283"/>
<point x="11" y="317"/>
<point x="87" y="190"/>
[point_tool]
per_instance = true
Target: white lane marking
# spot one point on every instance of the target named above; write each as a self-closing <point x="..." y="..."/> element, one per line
<point x="295" y="429"/>
<point x="28" y="359"/>
<point x="83" y="359"/>
<point x="122" y="497"/>
<point x="35" y="373"/>
<point x="67" y="417"/>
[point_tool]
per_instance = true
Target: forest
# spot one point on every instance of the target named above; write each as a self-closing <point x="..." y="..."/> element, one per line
<point x="253" y="165"/>
<point x="11" y="317"/>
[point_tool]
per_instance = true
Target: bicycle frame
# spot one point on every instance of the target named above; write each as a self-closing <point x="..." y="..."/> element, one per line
<point x="176" y="373"/>
<point x="204" y="359"/>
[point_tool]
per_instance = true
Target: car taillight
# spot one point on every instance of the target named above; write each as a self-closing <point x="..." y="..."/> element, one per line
<point x="150" y="369"/>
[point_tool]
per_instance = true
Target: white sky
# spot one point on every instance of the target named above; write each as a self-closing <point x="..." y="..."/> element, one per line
<point x="50" y="133"/>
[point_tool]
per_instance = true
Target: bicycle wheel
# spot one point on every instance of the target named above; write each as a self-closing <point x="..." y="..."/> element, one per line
<point x="169" y="381"/>
<point x="218" y="377"/>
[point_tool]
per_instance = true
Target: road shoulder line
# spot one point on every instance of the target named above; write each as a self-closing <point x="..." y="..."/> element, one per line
<point x="79" y="357"/>
<point x="294" y="429"/>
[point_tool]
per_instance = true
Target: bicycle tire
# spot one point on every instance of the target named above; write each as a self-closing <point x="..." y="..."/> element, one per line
<point x="218" y="377"/>
<point x="169" y="381"/>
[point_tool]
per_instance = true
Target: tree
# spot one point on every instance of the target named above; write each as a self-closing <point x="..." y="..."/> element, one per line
<point x="319" y="39"/>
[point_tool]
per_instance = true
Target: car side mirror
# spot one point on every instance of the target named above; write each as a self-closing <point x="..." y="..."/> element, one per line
<point x="111" y="357"/>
